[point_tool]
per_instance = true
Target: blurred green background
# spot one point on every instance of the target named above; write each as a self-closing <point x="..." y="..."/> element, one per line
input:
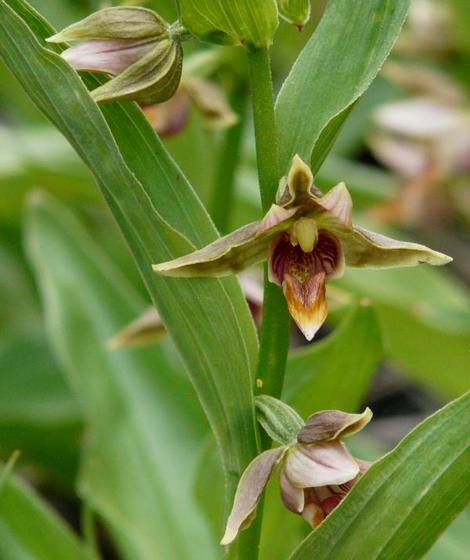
<point x="406" y="331"/>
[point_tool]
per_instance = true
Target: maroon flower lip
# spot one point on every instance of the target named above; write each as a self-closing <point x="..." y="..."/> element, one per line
<point x="302" y="276"/>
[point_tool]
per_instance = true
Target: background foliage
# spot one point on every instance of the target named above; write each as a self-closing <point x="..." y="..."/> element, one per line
<point x="117" y="456"/>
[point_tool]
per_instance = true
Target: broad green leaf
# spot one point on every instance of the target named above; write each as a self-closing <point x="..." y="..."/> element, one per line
<point x="334" y="69"/>
<point x="335" y="373"/>
<point x="31" y="156"/>
<point x="38" y="413"/>
<point x="424" y="317"/>
<point x="140" y="453"/>
<point x="30" y="530"/>
<point x="433" y="357"/>
<point x="406" y="499"/>
<point x="225" y="21"/>
<point x="160" y="218"/>
<point x="453" y="544"/>
<point x="433" y="295"/>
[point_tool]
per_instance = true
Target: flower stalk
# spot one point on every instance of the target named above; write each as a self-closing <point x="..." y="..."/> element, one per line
<point x="274" y="342"/>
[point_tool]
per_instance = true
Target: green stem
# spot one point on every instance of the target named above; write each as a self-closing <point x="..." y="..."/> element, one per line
<point x="227" y="163"/>
<point x="276" y="321"/>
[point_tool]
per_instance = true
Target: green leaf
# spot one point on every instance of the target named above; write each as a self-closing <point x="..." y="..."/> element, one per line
<point x="424" y="317"/>
<point x="160" y="218"/>
<point x="141" y="450"/>
<point x="30" y="530"/>
<point x="406" y="499"/>
<point x="453" y="544"/>
<point x="336" y="66"/>
<point x="229" y="22"/>
<point x="38" y="413"/>
<point x="335" y="373"/>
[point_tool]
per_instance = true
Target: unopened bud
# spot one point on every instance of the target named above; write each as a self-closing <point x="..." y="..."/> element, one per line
<point x="135" y="45"/>
<point x="296" y="12"/>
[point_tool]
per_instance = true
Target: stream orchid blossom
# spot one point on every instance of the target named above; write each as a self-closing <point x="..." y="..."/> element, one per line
<point x="308" y="238"/>
<point x="316" y="471"/>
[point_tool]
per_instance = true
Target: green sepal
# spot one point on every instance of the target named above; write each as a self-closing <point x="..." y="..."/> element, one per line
<point x="279" y="420"/>
<point x="115" y="23"/>
<point x="152" y="79"/>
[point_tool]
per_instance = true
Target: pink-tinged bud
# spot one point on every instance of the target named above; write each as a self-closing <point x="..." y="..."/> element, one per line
<point x="134" y="45"/>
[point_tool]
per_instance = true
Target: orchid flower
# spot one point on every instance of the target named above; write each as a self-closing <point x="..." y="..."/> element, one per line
<point x="316" y="470"/>
<point x="307" y="238"/>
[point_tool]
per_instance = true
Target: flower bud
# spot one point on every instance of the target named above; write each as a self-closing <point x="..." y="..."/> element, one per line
<point x="135" y="45"/>
<point x="296" y="12"/>
<point x="279" y="420"/>
<point x="231" y="22"/>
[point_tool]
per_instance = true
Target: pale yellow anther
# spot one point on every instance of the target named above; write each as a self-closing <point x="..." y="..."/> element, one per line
<point x="305" y="233"/>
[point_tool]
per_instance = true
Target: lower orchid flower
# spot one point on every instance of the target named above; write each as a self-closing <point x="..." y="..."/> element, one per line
<point x="308" y="239"/>
<point x="316" y="468"/>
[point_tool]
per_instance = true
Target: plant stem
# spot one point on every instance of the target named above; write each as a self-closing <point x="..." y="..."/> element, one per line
<point x="276" y="321"/>
<point x="227" y="163"/>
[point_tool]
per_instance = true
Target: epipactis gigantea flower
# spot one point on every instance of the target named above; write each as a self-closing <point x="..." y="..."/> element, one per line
<point x="307" y="238"/>
<point x="134" y="45"/>
<point x="316" y="470"/>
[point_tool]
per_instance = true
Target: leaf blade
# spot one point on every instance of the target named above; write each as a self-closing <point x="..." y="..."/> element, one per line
<point x="336" y="66"/>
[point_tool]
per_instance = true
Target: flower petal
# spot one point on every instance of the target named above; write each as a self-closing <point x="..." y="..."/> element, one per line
<point x="240" y="249"/>
<point x="328" y="425"/>
<point x="320" y="464"/>
<point x="338" y="202"/>
<point x="146" y="329"/>
<point x="249" y="490"/>
<point x="306" y="302"/>
<point x="364" y="248"/>
<point x="107" y="56"/>
<point x="292" y="497"/>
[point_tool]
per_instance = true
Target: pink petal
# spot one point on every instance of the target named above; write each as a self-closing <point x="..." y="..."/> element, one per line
<point x="292" y="497"/>
<point x="249" y="491"/>
<point x="320" y="465"/>
<point x="339" y="204"/>
<point x="332" y="424"/>
<point x="109" y="56"/>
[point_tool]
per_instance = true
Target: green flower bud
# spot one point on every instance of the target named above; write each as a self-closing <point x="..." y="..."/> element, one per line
<point x="135" y="45"/>
<point x="279" y="420"/>
<point x="296" y="12"/>
<point x="228" y="22"/>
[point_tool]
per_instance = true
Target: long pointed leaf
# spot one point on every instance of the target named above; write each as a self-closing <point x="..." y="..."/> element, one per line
<point x="336" y="66"/>
<point x="141" y="448"/>
<point x="150" y="198"/>
<point x="29" y="529"/>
